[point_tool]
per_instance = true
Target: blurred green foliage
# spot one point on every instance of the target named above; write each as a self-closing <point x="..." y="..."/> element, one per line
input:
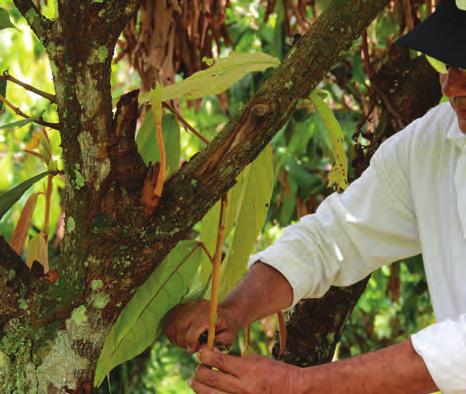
<point x="302" y="159"/>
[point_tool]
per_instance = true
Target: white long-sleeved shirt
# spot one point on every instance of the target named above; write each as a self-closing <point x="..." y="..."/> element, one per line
<point x="411" y="199"/>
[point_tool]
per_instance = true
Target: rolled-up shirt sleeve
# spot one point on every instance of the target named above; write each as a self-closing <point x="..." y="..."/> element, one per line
<point x="352" y="234"/>
<point x="443" y="348"/>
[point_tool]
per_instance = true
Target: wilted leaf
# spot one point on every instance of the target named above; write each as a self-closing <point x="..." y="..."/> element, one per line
<point x="139" y="324"/>
<point x="24" y="222"/>
<point x="217" y="78"/>
<point x="2" y="91"/>
<point x="5" y="19"/>
<point x="147" y="145"/>
<point x="37" y="250"/>
<point x="8" y="198"/>
<point x="250" y="218"/>
<point x="339" y="173"/>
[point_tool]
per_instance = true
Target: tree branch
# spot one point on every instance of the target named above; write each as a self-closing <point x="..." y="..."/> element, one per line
<point x="7" y="77"/>
<point x="39" y="120"/>
<point x="190" y="193"/>
<point x="184" y="122"/>
<point x="42" y="27"/>
<point x="118" y="13"/>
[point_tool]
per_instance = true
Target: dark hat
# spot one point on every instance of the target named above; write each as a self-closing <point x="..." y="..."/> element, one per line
<point x="442" y="35"/>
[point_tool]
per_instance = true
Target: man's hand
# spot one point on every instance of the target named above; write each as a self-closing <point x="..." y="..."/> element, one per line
<point x="397" y="369"/>
<point x="185" y="324"/>
<point x="262" y="292"/>
<point x="244" y="375"/>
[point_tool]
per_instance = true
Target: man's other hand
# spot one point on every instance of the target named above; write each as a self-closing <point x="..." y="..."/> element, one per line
<point x="185" y="324"/>
<point x="244" y="375"/>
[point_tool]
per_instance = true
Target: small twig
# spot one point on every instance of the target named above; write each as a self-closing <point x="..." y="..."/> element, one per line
<point x="370" y="74"/>
<point x="7" y="77"/>
<point x="408" y="15"/>
<point x="216" y="273"/>
<point x="247" y="335"/>
<point x="365" y="55"/>
<point x="206" y="251"/>
<point x="185" y="123"/>
<point x="282" y="333"/>
<point x="39" y="120"/>
<point x="33" y="153"/>
<point x="43" y="27"/>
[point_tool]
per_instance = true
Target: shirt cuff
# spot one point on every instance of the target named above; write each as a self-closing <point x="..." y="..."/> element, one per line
<point x="442" y="347"/>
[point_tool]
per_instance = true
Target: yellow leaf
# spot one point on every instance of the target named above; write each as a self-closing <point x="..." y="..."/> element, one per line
<point x="37" y="251"/>
<point x="217" y="78"/>
<point x="22" y="227"/>
<point x="339" y="173"/>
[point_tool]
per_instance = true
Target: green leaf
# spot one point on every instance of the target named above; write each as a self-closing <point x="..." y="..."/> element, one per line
<point x="2" y="91"/>
<point x="209" y="226"/>
<point x="339" y="173"/>
<point x="139" y="323"/>
<point x="8" y="198"/>
<point x="217" y="78"/>
<point x="5" y="19"/>
<point x="148" y="148"/>
<point x="250" y="218"/>
<point x="19" y="123"/>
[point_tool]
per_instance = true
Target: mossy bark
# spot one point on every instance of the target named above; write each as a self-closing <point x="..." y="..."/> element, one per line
<point x="52" y="338"/>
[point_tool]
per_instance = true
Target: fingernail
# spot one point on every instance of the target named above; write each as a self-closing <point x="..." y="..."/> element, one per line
<point x="190" y="381"/>
<point x="196" y="356"/>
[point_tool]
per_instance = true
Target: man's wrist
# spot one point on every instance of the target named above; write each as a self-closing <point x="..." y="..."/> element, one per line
<point x="262" y="292"/>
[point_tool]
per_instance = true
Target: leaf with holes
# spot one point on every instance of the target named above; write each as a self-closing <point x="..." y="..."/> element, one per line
<point x="339" y="173"/>
<point x="217" y="78"/>
<point x="8" y="198"/>
<point x="139" y="323"/>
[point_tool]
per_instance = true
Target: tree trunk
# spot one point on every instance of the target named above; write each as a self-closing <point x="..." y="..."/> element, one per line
<point x="52" y="333"/>
<point x="315" y="326"/>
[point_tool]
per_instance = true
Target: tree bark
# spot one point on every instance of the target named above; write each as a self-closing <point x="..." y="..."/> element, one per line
<point x="315" y="326"/>
<point x="110" y="247"/>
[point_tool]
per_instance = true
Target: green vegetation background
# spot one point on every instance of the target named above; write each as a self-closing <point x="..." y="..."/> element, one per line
<point x="302" y="157"/>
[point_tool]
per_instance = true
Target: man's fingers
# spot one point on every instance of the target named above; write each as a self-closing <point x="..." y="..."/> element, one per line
<point x="201" y="388"/>
<point x="224" y="362"/>
<point x="192" y="335"/>
<point x="224" y="338"/>
<point x="217" y="379"/>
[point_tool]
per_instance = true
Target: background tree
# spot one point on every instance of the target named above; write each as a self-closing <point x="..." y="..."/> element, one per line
<point x="54" y="325"/>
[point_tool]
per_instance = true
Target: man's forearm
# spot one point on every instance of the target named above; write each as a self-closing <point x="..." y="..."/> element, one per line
<point x="395" y="369"/>
<point x="262" y="292"/>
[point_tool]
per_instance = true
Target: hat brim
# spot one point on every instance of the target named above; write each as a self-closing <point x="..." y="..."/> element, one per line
<point x="441" y="36"/>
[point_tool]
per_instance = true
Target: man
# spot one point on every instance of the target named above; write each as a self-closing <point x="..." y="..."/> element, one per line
<point x="411" y="199"/>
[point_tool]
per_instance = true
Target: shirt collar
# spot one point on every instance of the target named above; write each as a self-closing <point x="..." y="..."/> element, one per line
<point x="456" y="136"/>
